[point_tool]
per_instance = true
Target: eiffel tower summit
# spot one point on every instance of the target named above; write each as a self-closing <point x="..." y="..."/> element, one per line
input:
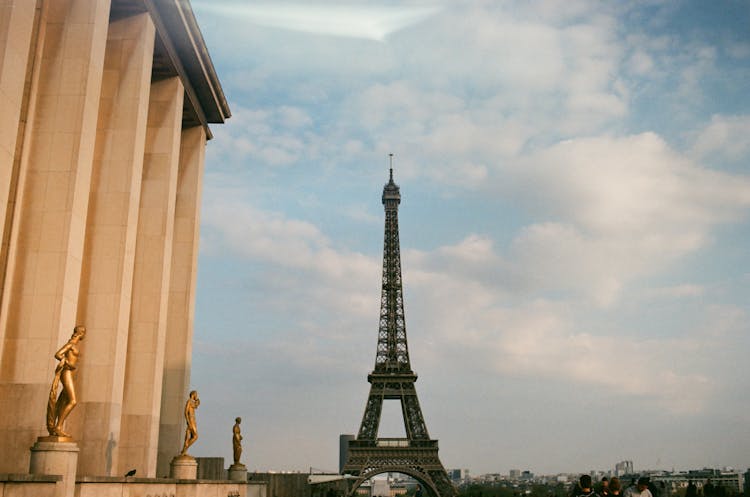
<point x="393" y="379"/>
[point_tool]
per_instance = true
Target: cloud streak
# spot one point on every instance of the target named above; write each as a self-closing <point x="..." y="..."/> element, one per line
<point x="370" y="22"/>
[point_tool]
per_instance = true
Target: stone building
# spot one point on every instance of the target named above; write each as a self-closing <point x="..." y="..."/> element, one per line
<point x="106" y="106"/>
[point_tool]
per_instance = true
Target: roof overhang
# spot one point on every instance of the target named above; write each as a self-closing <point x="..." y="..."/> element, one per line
<point x="179" y="50"/>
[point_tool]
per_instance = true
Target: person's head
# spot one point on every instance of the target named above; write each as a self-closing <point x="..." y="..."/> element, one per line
<point x="585" y="482"/>
<point x="605" y="482"/>
<point x="642" y="483"/>
<point x="193" y="394"/>
<point x="614" y="484"/>
<point x="79" y="332"/>
<point x="238" y="420"/>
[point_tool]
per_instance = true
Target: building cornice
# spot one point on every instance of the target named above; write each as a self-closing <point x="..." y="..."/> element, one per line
<point x="181" y="39"/>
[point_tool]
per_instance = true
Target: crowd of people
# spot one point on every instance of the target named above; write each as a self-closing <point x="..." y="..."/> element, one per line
<point x="642" y="487"/>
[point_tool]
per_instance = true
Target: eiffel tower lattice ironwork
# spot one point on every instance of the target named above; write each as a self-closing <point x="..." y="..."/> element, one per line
<point x="393" y="379"/>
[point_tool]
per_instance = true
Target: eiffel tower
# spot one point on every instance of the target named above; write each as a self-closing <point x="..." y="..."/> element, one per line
<point x="393" y="379"/>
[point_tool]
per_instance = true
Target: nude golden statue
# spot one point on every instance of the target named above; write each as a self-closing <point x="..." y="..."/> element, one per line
<point x="191" y="432"/>
<point x="236" y="441"/>
<point x="58" y="408"/>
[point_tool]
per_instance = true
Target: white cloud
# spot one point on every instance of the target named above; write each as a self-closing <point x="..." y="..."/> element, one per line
<point x="702" y="63"/>
<point x="539" y="338"/>
<point x="637" y="186"/>
<point x="543" y="347"/>
<point x="267" y="236"/>
<point x="474" y="248"/>
<point x="725" y="137"/>
<point x="277" y="137"/>
<point x="361" y="213"/>
<point x="678" y="291"/>
<point x="532" y="78"/>
<point x="623" y="208"/>
<point x="559" y="257"/>
<point x="294" y="117"/>
<point x="641" y="63"/>
<point x="297" y="249"/>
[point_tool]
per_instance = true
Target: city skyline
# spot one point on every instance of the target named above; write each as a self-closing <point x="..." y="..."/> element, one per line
<point x="574" y="229"/>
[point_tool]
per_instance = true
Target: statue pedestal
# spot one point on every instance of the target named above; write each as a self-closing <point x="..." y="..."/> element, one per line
<point x="238" y="472"/>
<point x="184" y="468"/>
<point x="56" y="456"/>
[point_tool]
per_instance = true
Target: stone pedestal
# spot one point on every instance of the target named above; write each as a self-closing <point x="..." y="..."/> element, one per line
<point x="238" y="472"/>
<point x="184" y="467"/>
<point x="56" y="456"/>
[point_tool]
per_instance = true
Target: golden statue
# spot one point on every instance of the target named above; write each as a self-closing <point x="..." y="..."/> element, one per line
<point x="237" y="440"/>
<point x="191" y="432"/>
<point x="58" y="408"/>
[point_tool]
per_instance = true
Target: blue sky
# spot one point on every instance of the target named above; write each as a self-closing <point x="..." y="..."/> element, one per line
<point x="574" y="229"/>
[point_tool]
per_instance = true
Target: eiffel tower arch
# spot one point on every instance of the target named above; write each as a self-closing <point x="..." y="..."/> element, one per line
<point x="393" y="379"/>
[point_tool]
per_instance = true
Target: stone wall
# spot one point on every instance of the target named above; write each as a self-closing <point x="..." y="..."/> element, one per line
<point x="211" y="468"/>
<point x="12" y="485"/>
<point x="283" y="484"/>
<point x="158" y="487"/>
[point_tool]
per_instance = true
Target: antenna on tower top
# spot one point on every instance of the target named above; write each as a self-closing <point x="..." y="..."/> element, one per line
<point x="390" y="156"/>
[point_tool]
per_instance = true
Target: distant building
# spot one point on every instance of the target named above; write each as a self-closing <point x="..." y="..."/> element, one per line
<point x="325" y="485"/>
<point x="458" y="475"/>
<point x="344" y="450"/>
<point x="515" y="474"/>
<point x="380" y="488"/>
<point x="398" y="489"/>
<point x="732" y="481"/>
<point x="624" y="468"/>
<point x="363" y="490"/>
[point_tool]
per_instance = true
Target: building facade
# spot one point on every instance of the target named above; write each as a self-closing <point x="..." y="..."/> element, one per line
<point x="730" y="480"/>
<point x="106" y="107"/>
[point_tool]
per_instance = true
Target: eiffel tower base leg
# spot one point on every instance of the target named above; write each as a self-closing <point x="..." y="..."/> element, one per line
<point x="421" y="463"/>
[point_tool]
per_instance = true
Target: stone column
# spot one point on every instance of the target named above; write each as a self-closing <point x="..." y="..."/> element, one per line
<point x="109" y="254"/>
<point x="44" y="258"/>
<point x="179" y="337"/>
<point x="148" y="313"/>
<point x="16" y="47"/>
<point x="237" y="472"/>
<point x="183" y="468"/>
<point x="56" y="458"/>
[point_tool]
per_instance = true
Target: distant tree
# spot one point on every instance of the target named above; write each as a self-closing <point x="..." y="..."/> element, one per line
<point x="485" y="490"/>
<point x="499" y="489"/>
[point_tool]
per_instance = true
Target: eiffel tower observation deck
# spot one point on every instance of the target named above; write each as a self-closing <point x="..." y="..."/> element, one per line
<point x="392" y="378"/>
